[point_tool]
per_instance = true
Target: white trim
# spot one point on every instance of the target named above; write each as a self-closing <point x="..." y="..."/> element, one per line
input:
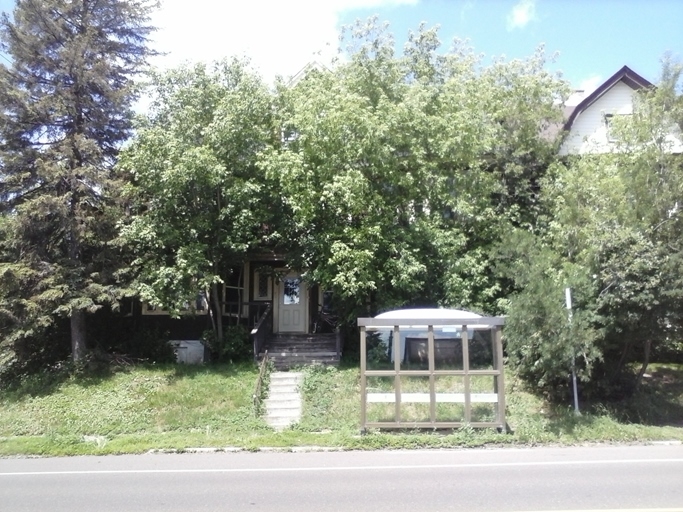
<point x="157" y="311"/>
<point x="423" y="398"/>
<point x="243" y="296"/>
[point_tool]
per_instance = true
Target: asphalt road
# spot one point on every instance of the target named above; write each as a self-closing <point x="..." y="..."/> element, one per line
<point x="586" y="478"/>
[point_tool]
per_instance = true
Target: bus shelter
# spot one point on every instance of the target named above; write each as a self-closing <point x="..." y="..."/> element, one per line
<point x="431" y="368"/>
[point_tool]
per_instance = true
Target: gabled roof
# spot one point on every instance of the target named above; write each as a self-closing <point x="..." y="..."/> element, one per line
<point x="625" y="74"/>
<point x="311" y="66"/>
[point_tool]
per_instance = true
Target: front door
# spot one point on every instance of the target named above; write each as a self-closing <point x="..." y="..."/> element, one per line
<point x="292" y="304"/>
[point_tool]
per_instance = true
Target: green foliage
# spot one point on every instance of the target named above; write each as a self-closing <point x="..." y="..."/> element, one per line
<point x="235" y="345"/>
<point x="393" y="179"/>
<point x="405" y="169"/>
<point x="65" y="109"/>
<point x="200" y="198"/>
<point x="327" y="399"/>
<point x="542" y="342"/>
<point x="611" y="233"/>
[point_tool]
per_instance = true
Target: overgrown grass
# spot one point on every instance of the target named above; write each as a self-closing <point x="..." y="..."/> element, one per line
<point x="177" y="407"/>
<point x="133" y="409"/>
<point x="332" y="405"/>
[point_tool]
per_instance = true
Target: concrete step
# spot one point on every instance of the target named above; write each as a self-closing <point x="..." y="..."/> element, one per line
<point x="277" y="344"/>
<point x="283" y="405"/>
<point x="282" y="384"/>
<point x="285" y="367"/>
<point x="283" y="408"/>
<point x="284" y="396"/>
<point x="287" y="351"/>
<point x="288" y="394"/>
<point x="295" y="351"/>
<point x="289" y="364"/>
<point x="303" y="336"/>
<point x="301" y="348"/>
<point x="302" y="359"/>
<point x="280" y="424"/>
<point x="302" y="355"/>
<point x="283" y="412"/>
<point x="274" y="407"/>
<point x="285" y="380"/>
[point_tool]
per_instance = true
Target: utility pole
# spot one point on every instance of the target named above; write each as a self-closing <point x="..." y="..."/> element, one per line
<point x="568" y="298"/>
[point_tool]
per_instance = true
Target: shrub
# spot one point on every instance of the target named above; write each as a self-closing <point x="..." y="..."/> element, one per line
<point x="235" y="345"/>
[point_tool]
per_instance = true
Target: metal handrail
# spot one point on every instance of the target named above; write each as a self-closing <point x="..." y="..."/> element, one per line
<point x="339" y="342"/>
<point x="259" y="385"/>
<point x="263" y="327"/>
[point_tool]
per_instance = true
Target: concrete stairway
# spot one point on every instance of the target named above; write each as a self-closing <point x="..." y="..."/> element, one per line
<point x="288" y="351"/>
<point x="283" y="405"/>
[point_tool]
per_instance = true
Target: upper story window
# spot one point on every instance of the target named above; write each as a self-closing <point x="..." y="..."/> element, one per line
<point x="609" y="127"/>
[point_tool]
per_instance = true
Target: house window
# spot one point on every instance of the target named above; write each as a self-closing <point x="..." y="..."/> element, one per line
<point x="291" y="290"/>
<point x="326" y="301"/>
<point x="234" y="293"/>
<point x="263" y="286"/>
<point x="150" y="309"/>
<point x="126" y="306"/>
<point x="609" y="128"/>
<point x="200" y="307"/>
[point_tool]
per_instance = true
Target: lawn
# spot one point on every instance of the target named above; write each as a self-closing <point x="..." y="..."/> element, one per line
<point x="135" y="409"/>
<point x="332" y="405"/>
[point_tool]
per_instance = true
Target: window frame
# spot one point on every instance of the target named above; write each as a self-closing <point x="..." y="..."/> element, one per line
<point x="256" y="287"/>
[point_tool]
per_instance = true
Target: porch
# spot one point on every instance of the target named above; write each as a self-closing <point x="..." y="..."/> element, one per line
<point x="291" y="349"/>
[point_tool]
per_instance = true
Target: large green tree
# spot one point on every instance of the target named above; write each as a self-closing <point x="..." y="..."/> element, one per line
<point x="402" y="170"/>
<point x="200" y="197"/>
<point x="612" y="233"/>
<point x="65" y="110"/>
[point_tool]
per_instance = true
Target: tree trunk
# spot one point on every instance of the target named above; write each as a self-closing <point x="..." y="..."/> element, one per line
<point x="622" y="360"/>
<point x="78" y="335"/>
<point x="218" y="307"/>
<point x="78" y="332"/>
<point x="646" y="362"/>
<point x="212" y="313"/>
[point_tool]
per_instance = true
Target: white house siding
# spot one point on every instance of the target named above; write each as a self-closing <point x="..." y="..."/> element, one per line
<point x="674" y="142"/>
<point x="588" y="133"/>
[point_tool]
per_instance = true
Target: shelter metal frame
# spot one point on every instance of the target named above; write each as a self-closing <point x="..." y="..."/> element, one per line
<point x="397" y="397"/>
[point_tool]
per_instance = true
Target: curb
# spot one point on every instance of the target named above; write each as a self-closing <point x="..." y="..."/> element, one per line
<point x="262" y="449"/>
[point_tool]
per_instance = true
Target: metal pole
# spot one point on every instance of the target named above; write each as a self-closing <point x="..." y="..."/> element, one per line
<point x="568" y="298"/>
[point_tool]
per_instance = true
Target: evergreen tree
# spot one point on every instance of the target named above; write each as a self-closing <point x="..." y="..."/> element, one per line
<point x="65" y="110"/>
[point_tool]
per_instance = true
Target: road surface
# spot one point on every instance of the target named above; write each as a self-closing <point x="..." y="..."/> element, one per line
<point x="585" y="478"/>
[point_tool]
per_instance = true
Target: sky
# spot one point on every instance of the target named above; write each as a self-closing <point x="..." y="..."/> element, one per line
<point x="592" y="38"/>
